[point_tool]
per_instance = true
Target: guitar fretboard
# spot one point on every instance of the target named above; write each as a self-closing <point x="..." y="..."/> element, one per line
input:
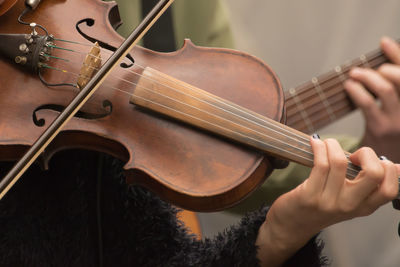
<point x="323" y="99"/>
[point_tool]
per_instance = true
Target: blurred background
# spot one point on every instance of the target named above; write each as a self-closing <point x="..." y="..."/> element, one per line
<point x="300" y="40"/>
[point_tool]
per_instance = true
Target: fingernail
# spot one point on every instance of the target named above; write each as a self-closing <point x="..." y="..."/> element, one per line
<point x="383" y="158"/>
<point x="316" y="136"/>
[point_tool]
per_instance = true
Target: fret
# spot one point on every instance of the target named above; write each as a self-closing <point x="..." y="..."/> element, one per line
<point x="322" y="94"/>
<point x="340" y="74"/>
<point x="364" y="61"/>
<point x="316" y="113"/>
<point x="302" y="110"/>
<point x="323" y="98"/>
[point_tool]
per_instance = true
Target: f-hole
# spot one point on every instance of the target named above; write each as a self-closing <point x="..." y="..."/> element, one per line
<point x="90" y="22"/>
<point x="40" y="122"/>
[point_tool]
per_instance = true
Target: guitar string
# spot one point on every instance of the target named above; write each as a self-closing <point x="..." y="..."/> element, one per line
<point x="344" y="70"/>
<point x="338" y="87"/>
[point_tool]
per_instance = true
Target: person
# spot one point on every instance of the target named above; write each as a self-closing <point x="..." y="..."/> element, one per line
<point x="47" y="221"/>
<point x="382" y="122"/>
<point x="49" y="218"/>
<point x="283" y="180"/>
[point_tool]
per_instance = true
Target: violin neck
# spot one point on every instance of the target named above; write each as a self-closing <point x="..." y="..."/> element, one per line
<point x="323" y="99"/>
<point x="161" y="93"/>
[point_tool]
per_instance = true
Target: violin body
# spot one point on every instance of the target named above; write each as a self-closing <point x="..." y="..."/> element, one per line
<point x="189" y="167"/>
<point x="5" y="5"/>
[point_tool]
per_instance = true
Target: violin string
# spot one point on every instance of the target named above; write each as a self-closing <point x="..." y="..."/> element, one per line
<point x="103" y="50"/>
<point x="332" y="75"/>
<point x="282" y="129"/>
<point x="302" y="139"/>
<point x="219" y="126"/>
<point x="64" y="59"/>
<point x="305" y="141"/>
<point x="73" y="42"/>
<point x="352" y="172"/>
<point x="140" y="75"/>
<point x="175" y="89"/>
<point x="350" y="169"/>
<point x="136" y="85"/>
<point x="80" y="75"/>
<point x="66" y="49"/>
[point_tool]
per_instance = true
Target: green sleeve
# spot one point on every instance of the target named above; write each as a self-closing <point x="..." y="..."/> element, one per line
<point x="205" y="22"/>
<point x="130" y="13"/>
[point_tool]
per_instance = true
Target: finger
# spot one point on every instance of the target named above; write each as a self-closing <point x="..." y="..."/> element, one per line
<point x="337" y="172"/>
<point x="398" y="169"/>
<point x="379" y="86"/>
<point x="391" y="49"/>
<point x="363" y="100"/>
<point x="371" y="174"/>
<point x="388" y="189"/>
<point x="317" y="179"/>
<point x="391" y="73"/>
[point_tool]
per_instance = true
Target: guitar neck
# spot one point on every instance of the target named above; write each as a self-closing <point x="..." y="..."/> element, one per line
<point x="323" y="100"/>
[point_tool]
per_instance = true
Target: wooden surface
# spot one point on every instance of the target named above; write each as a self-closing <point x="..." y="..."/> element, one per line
<point x="191" y="221"/>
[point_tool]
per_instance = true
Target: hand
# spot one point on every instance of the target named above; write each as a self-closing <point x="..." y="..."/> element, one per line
<point x="325" y="198"/>
<point x="382" y="131"/>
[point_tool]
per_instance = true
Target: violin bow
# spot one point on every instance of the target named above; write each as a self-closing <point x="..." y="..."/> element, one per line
<point x="81" y="98"/>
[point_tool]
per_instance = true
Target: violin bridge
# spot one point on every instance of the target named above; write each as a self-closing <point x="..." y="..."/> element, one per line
<point x="90" y="66"/>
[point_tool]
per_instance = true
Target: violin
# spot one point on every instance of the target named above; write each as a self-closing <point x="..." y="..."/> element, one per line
<point x="190" y="168"/>
<point x="5" y="5"/>
<point x="196" y="170"/>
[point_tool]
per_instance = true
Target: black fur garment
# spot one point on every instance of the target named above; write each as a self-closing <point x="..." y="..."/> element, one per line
<point x="51" y="218"/>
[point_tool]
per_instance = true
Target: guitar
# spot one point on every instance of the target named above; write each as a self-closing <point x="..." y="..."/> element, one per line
<point x="323" y="100"/>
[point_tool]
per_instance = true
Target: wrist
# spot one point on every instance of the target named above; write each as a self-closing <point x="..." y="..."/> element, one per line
<point x="278" y="240"/>
<point x="274" y="246"/>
